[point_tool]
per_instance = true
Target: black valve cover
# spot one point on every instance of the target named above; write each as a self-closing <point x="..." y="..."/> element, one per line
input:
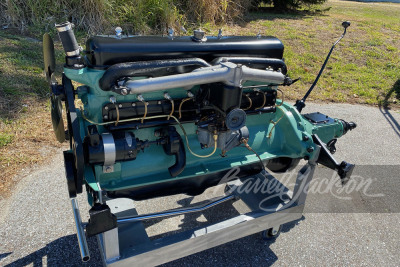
<point x="103" y="51"/>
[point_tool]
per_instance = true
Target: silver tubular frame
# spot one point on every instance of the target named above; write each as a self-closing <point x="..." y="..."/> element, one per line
<point x="227" y="72"/>
<point x="131" y="246"/>
<point x="80" y="233"/>
<point x="176" y="212"/>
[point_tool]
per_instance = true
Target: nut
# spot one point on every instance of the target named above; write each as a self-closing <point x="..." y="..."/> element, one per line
<point x="124" y="91"/>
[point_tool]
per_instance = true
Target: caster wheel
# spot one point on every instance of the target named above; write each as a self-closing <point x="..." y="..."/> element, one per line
<point x="272" y="233"/>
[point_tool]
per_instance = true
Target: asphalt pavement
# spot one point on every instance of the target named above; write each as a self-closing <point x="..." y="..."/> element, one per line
<point x="37" y="228"/>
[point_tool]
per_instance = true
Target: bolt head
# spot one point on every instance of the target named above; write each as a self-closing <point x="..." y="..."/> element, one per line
<point x="310" y="149"/>
<point x="124" y="91"/>
<point x="106" y="108"/>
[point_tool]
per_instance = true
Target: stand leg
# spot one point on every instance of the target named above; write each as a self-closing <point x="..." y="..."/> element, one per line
<point x="80" y="233"/>
<point x="109" y="244"/>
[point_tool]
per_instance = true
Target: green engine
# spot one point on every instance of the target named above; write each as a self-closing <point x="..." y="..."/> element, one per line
<point x="162" y="115"/>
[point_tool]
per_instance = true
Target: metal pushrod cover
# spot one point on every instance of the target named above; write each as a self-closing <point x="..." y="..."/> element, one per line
<point x="175" y="212"/>
<point x="80" y="233"/>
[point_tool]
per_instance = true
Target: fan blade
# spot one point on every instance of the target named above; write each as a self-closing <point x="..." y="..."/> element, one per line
<point x="56" y="118"/>
<point x="48" y="57"/>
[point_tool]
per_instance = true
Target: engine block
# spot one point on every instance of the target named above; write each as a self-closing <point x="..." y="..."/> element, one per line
<point x="165" y="115"/>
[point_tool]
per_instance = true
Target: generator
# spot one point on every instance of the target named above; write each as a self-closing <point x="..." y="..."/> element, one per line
<point x="155" y="116"/>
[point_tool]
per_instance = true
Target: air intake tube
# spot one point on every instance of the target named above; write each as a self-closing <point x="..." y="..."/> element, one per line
<point x="70" y="45"/>
<point x="68" y="39"/>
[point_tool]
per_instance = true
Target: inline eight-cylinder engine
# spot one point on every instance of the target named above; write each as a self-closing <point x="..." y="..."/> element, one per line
<point x="162" y="115"/>
<point x="153" y="116"/>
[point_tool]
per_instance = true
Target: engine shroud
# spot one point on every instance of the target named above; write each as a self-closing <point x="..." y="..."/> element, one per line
<point x="275" y="128"/>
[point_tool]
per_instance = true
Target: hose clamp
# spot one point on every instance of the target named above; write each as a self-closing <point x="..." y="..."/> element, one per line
<point x="63" y="27"/>
<point x="74" y="53"/>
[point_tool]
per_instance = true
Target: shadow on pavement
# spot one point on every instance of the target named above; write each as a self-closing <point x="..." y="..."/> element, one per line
<point x="391" y="120"/>
<point x="61" y="252"/>
<point x="251" y="250"/>
<point x="65" y="252"/>
<point x="385" y="110"/>
<point x="4" y="255"/>
<point x="247" y="251"/>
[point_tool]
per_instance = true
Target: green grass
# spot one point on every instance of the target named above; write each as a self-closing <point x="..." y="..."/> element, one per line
<point x="25" y="126"/>
<point x="364" y="67"/>
<point x="22" y="80"/>
<point x="5" y="139"/>
<point x="135" y="16"/>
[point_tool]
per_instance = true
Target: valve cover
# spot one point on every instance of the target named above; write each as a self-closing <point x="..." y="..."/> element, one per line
<point x="104" y="50"/>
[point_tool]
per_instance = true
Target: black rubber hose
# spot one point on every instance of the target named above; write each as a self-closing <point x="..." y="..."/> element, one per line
<point x="180" y="161"/>
<point x="255" y="62"/>
<point x="175" y="147"/>
<point x="130" y="69"/>
<point x="68" y="39"/>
